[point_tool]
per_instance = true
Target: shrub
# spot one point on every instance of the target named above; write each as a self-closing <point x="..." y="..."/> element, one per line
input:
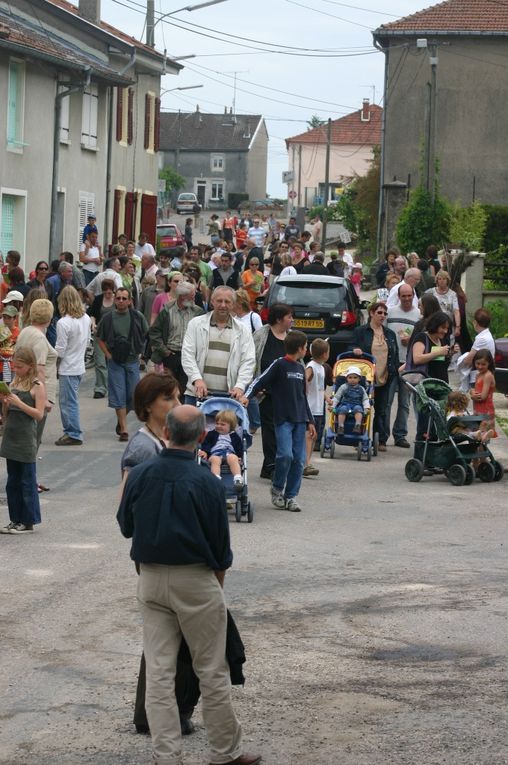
<point x="496" y="230"/>
<point x="498" y="310"/>
<point x="235" y="198"/>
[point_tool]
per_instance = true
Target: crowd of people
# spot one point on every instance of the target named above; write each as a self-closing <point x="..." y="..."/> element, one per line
<point x="191" y="313"/>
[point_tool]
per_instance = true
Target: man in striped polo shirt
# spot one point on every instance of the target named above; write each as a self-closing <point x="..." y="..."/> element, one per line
<point x="218" y="351"/>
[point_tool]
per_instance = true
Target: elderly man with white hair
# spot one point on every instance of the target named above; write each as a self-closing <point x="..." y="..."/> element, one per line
<point x="218" y="351"/>
<point x="168" y="331"/>
<point x="411" y="277"/>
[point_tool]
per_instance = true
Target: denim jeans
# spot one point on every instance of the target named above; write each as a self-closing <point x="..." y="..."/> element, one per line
<point x="22" y="495"/>
<point x="101" y="369"/>
<point x="290" y="457"/>
<point x="253" y="413"/>
<point x="122" y="379"/>
<point x="69" y="405"/>
<point x="399" y="429"/>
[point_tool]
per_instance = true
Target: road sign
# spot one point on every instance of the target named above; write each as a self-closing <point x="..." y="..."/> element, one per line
<point x="292" y="195"/>
<point x="287" y="176"/>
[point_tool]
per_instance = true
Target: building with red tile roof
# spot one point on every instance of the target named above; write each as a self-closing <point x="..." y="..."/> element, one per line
<point x="446" y="78"/>
<point x="353" y="138"/>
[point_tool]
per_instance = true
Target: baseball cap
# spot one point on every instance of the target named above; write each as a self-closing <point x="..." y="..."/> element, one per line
<point x="13" y="295"/>
<point x="353" y="371"/>
<point x="10" y="310"/>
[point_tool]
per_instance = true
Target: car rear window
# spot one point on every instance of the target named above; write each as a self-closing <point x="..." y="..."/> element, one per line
<point x="186" y="198"/>
<point x="318" y="296"/>
<point x="166" y="230"/>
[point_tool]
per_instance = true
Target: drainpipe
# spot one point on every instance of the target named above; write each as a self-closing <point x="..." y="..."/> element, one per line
<point x="56" y="157"/>
<point x="109" y="154"/>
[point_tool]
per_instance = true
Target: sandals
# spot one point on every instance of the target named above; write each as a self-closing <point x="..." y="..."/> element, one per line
<point x="123" y="437"/>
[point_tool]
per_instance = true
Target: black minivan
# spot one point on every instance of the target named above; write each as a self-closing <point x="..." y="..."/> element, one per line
<point x="323" y="306"/>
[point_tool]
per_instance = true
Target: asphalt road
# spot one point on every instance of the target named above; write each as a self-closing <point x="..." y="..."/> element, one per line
<point x="374" y="621"/>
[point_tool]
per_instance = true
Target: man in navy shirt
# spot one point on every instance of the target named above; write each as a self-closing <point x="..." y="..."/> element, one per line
<point x="291" y="417"/>
<point x="175" y="512"/>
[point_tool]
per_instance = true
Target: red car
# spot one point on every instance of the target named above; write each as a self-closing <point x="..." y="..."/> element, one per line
<point x="169" y="235"/>
<point x="501" y="361"/>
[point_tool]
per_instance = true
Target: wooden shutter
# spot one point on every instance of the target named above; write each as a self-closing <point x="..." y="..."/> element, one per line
<point x="149" y="216"/>
<point x="119" y="114"/>
<point x="157" y="129"/>
<point x="147" y="121"/>
<point x="130" y="116"/>
<point x="130" y="217"/>
<point x="116" y="214"/>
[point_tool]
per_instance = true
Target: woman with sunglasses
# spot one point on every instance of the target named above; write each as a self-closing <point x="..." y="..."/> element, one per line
<point x="380" y="342"/>
<point x="39" y="280"/>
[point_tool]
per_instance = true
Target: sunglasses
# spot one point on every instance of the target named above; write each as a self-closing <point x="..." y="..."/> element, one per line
<point x="43" y="268"/>
<point x="382" y="313"/>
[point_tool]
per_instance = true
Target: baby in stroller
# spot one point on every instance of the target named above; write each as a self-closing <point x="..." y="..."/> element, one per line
<point x="456" y="408"/>
<point x="223" y="443"/>
<point x="351" y="397"/>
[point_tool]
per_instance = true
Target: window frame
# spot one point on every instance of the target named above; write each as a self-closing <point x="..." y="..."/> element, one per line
<point x="16" y="144"/>
<point x="19" y="238"/>
<point x="90" y="103"/>
<point x="215" y="159"/>
<point x="217" y="184"/>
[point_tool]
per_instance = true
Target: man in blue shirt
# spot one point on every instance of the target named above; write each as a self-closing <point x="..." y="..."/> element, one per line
<point x="175" y="512"/>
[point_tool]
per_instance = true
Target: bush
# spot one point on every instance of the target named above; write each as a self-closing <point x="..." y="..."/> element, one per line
<point x="235" y="198"/>
<point x="498" y="310"/>
<point x="467" y="226"/>
<point x="423" y="222"/>
<point x="496" y="231"/>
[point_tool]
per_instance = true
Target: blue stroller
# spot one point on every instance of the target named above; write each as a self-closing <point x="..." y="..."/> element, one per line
<point x="240" y="501"/>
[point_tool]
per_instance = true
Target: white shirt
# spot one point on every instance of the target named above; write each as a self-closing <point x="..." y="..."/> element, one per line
<point x="92" y="252"/>
<point x="315" y="388"/>
<point x="146" y="249"/>
<point x="393" y="297"/>
<point x="95" y="285"/>
<point x="348" y="263"/>
<point x="258" y="234"/>
<point x="256" y="320"/>
<point x="72" y="336"/>
<point x="484" y="339"/>
<point x="289" y="271"/>
<point x="402" y="322"/>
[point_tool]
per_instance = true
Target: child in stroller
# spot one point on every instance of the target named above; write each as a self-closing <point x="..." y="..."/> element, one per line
<point x="351" y="397"/>
<point x="456" y="410"/>
<point x="223" y="443"/>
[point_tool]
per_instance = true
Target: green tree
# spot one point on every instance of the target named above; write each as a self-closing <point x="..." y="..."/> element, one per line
<point x="423" y="221"/>
<point x="468" y="226"/>
<point x="174" y="181"/>
<point x="315" y="122"/>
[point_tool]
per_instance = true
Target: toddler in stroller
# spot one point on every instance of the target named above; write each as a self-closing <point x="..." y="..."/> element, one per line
<point x="223" y="443"/>
<point x="351" y="398"/>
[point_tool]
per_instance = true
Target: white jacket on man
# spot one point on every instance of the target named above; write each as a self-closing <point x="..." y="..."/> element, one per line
<point x="242" y="357"/>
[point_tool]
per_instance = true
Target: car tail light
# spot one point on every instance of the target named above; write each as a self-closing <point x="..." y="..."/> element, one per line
<point x="264" y="314"/>
<point x="348" y="318"/>
<point x="498" y="358"/>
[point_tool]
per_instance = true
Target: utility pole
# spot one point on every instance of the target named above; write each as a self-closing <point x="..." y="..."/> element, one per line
<point x="299" y="176"/>
<point x="327" y="182"/>
<point x="432" y="120"/>
<point x="150" y="23"/>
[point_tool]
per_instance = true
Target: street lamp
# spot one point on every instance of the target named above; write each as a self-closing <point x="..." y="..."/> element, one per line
<point x="150" y="16"/>
<point x="184" y="87"/>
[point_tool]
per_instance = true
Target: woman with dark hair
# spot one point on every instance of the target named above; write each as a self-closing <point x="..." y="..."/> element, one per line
<point x="385" y="268"/>
<point x="380" y="342"/>
<point x="16" y="282"/>
<point x="41" y="273"/>
<point x="269" y="345"/>
<point x="102" y="304"/>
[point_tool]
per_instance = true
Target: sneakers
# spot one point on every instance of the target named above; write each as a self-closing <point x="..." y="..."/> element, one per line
<point x="238" y="484"/>
<point x="21" y="528"/>
<point x="310" y="470"/>
<point x="68" y="441"/>
<point x="293" y="506"/>
<point x="278" y="500"/>
<point x="357" y="428"/>
<point x="7" y="529"/>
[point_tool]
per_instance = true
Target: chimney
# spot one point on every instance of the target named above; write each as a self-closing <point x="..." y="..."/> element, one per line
<point x="225" y="110"/>
<point x="365" y="113"/>
<point x="197" y="107"/>
<point x="90" y="10"/>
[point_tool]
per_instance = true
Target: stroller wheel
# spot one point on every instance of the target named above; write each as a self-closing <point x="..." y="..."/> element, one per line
<point x="470" y="475"/>
<point x="456" y="475"/>
<point x="250" y="512"/>
<point x="359" y="451"/>
<point x="414" y="470"/>
<point x="238" y="510"/>
<point x="375" y="444"/>
<point x="499" y="470"/>
<point x="322" y="448"/>
<point x="486" y="472"/>
<point x="369" y="453"/>
<point x="332" y="449"/>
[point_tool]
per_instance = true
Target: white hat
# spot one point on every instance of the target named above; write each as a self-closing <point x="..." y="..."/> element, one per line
<point x="13" y="295"/>
<point x="353" y="371"/>
<point x="358" y="265"/>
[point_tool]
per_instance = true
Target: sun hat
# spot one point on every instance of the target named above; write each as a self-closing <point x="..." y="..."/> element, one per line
<point x="13" y="295"/>
<point x="358" y="265"/>
<point x="353" y="371"/>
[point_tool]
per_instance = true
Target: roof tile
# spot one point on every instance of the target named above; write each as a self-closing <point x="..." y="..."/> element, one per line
<point x="454" y="16"/>
<point x="196" y="131"/>
<point x="348" y="130"/>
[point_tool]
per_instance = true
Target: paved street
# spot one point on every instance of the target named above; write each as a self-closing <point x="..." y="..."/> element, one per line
<point x="374" y="622"/>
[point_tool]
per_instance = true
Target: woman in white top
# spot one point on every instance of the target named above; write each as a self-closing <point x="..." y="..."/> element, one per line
<point x="287" y="268"/>
<point x="72" y="338"/>
<point x="244" y="313"/>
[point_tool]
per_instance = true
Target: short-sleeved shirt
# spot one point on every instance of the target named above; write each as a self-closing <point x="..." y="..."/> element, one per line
<point x="45" y="355"/>
<point x="437" y="368"/>
<point x="402" y="321"/>
<point x="484" y="340"/>
<point x="142" y="446"/>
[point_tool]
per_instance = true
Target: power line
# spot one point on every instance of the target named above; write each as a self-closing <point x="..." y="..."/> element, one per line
<point x="332" y="15"/>
<point x="357" y="8"/>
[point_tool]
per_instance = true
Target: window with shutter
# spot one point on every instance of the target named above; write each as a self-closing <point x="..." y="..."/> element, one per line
<point x="64" y="115"/>
<point x="86" y="208"/>
<point x="157" y="125"/>
<point x="89" y="117"/>
<point x="13" y="222"/>
<point x="147" y="121"/>
<point x="15" y="105"/>
<point x="7" y="224"/>
<point x="119" y="114"/>
<point x="130" y="117"/>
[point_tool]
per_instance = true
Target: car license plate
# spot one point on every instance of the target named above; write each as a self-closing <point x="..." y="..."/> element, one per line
<point x="309" y="323"/>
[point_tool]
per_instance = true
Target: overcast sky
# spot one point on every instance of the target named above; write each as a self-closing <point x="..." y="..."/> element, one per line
<point x="286" y="89"/>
